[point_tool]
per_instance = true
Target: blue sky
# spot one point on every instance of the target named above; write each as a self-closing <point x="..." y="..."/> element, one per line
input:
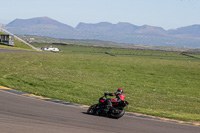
<point x="169" y="14"/>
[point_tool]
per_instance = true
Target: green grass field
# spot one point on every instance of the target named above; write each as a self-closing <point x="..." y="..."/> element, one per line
<point x="158" y="83"/>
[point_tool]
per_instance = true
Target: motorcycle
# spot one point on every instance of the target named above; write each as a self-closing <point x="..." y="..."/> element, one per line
<point x="116" y="111"/>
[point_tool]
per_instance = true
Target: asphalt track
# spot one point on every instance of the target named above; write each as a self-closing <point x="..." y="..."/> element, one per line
<point x="22" y="114"/>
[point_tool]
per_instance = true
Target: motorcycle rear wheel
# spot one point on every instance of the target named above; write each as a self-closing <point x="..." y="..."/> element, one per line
<point x="118" y="115"/>
<point x="91" y="109"/>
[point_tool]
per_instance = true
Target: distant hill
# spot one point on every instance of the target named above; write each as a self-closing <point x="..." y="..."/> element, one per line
<point x="120" y="28"/>
<point x="121" y="32"/>
<point x="41" y="22"/>
<point x="42" y="26"/>
<point x="192" y="31"/>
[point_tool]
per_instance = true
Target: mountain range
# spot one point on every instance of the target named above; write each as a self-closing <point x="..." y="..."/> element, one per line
<point x="121" y="32"/>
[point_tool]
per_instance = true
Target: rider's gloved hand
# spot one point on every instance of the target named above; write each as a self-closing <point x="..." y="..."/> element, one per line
<point x="105" y="94"/>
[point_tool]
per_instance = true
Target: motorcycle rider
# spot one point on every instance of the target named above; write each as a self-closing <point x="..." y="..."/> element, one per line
<point x="120" y="96"/>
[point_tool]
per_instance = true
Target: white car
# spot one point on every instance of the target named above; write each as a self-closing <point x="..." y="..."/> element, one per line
<point x="50" y="49"/>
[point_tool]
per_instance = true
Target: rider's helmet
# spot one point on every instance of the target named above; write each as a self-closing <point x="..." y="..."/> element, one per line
<point x="119" y="90"/>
